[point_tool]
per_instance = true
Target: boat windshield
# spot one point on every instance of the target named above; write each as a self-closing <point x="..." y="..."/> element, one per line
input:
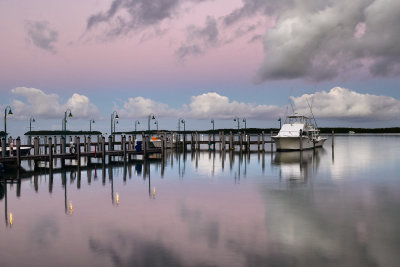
<point x="295" y="119"/>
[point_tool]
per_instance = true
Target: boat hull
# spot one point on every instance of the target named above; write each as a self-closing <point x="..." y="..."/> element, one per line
<point x="293" y="143"/>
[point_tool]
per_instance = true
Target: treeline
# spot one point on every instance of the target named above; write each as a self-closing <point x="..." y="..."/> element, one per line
<point x="339" y="130"/>
<point x="49" y="132"/>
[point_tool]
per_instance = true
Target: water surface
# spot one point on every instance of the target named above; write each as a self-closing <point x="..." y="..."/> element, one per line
<point x="315" y="208"/>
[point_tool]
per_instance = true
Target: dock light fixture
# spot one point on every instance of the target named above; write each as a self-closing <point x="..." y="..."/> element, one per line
<point x="156" y="122"/>
<point x="238" y="122"/>
<point x="65" y="121"/>
<point x="213" y="123"/>
<point x="114" y="117"/>
<point x="184" y="125"/>
<point x="151" y="117"/>
<point x="280" y="123"/>
<point x="136" y="123"/>
<point x="245" y="126"/>
<point x="90" y="125"/>
<point x="5" y="120"/>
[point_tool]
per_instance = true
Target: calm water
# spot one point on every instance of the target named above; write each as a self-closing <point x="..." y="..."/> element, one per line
<point x="211" y="209"/>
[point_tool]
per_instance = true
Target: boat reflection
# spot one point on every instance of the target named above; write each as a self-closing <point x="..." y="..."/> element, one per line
<point x="296" y="166"/>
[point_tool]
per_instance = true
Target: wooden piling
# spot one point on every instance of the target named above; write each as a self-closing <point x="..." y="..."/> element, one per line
<point x="272" y="143"/>
<point x="50" y="144"/>
<point x="18" y="141"/>
<point x="263" y="141"/>
<point x="3" y="147"/>
<point x="78" y="150"/>
<point x="89" y="144"/>
<point x="55" y="145"/>
<point x="45" y="144"/>
<point x="240" y="136"/>
<point x="123" y="143"/>
<point x="35" y="146"/>
<point x="103" y="148"/>
<point x="231" y="147"/>
<point x="223" y="141"/>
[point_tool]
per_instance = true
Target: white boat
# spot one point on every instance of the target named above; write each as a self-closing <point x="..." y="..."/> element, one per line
<point x="298" y="133"/>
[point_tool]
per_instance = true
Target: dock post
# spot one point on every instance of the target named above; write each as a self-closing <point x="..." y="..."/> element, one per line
<point x="85" y="148"/>
<point x="258" y="143"/>
<point x="240" y="135"/>
<point x="18" y="151"/>
<point x="45" y="145"/>
<point x="103" y="148"/>
<point x="50" y="144"/>
<point x="333" y="140"/>
<point x="223" y="141"/>
<point x="35" y="146"/>
<point x="89" y="144"/>
<point x="130" y="142"/>
<point x="231" y="146"/>
<point x="110" y="147"/>
<point x="263" y="141"/>
<point x="62" y="150"/>
<point x="3" y="147"/>
<point x="123" y="144"/>
<point x="184" y="142"/>
<point x="55" y="145"/>
<point x="197" y="141"/>
<point x="213" y="141"/>
<point x="191" y="142"/>
<point x="272" y="143"/>
<point x="78" y="150"/>
<point x="248" y="143"/>
<point x="145" y="147"/>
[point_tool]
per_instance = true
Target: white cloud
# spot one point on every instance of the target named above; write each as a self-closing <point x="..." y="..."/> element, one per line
<point x="213" y="105"/>
<point x="140" y="107"/>
<point x="342" y="103"/>
<point x="39" y="104"/>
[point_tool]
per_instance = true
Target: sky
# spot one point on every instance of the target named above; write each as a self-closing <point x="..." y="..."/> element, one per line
<point x="199" y="60"/>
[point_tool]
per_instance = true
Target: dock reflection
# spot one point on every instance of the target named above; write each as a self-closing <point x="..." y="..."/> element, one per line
<point x="295" y="167"/>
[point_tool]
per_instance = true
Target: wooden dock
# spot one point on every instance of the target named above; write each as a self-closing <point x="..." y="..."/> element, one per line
<point x="48" y="149"/>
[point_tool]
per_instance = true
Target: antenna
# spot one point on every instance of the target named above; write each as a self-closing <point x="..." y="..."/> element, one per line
<point x="308" y="103"/>
<point x="291" y="104"/>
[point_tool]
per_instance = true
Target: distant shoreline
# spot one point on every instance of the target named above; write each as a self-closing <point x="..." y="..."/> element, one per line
<point x="324" y="130"/>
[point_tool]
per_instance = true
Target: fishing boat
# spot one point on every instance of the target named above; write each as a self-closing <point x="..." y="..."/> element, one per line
<point x="298" y="133"/>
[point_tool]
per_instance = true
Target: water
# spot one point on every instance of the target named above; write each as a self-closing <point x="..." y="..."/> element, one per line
<point x="211" y="209"/>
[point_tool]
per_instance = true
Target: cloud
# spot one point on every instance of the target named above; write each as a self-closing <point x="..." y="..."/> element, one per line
<point x="41" y="35"/>
<point x="213" y="105"/>
<point x="321" y="40"/>
<point x="198" y="39"/>
<point x="344" y="104"/>
<point x="125" y="16"/>
<point x="140" y="107"/>
<point x="39" y="104"/>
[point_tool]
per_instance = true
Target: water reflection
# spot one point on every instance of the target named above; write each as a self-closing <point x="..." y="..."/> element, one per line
<point x="296" y="166"/>
<point x="206" y="209"/>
